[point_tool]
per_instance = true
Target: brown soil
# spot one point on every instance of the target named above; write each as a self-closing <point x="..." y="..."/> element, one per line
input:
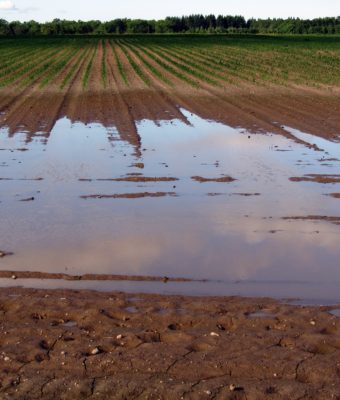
<point x="335" y="195"/>
<point x="328" y="159"/>
<point x="246" y="194"/>
<point x="223" y="179"/>
<point x="318" y="178"/>
<point x="134" y="178"/>
<point x="128" y="195"/>
<point x="81" y="344"/>
<point x="333" y="219"/>
<point x="86" y="277"/>
<point x="22" y="179"/>
<point x="137" y="165"/>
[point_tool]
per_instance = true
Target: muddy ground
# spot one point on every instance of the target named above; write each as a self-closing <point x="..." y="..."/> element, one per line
<point x="81" y="344"/>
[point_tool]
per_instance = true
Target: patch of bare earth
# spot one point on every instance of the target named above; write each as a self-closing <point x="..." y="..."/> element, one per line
<point x="134" y="178"/>
<point x="222" y="179"/>
<point x="128" y="195"/>
<point x="333" y="219"/>
<point x="317" y="178"/>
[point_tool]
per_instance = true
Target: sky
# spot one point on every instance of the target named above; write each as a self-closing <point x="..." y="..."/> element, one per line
<point x="46" y="10"/>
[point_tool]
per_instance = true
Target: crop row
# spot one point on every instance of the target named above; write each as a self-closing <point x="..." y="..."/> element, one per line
<point x="208" y="62"/>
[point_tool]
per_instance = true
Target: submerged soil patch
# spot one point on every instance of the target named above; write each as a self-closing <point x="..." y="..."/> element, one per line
<point x="335" y="220"/>
<point x="318" y="178"/>
<point x="135" y="178"/>
<point x="223" y="179"/>
<point x="335" y="195"/>
<point x="128" y="195"/>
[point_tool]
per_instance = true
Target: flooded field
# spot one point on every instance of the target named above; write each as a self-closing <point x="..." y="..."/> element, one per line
<point x="251" y="214"/>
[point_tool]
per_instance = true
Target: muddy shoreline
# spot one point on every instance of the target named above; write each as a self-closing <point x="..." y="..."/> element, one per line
<point x="83" y="344"/>
<point x="88" y="277"/>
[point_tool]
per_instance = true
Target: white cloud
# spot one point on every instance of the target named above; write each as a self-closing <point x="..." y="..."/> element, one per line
<point x="7" y="5"/>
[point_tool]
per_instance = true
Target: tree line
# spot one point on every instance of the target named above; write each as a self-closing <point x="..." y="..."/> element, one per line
<point x="186" y="24"/>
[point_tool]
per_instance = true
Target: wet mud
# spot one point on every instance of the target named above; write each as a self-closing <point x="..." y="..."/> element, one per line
<point x="318" y="178"/>
<point x="335" y="195"/>
<point x="127" y="195"/>
<point x="39" y="113"/>
<point x="85" y="277"/>
<point x="223" y="179"/>
<point x="332" y="219"/>
<point x="71" y="344"/>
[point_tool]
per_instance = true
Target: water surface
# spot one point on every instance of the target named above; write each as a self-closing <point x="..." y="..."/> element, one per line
<point x="225" y="232"/>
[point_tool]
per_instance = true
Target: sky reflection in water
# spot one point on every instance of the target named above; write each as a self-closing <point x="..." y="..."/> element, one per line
<point x="210" y="230"/>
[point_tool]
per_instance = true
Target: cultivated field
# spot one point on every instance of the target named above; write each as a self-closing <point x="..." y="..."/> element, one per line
<point x="186" y="166"/>
<point x="260" y="83"/>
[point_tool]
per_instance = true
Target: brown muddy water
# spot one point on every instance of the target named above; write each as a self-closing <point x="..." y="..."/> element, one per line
<point x="196" y="200"/>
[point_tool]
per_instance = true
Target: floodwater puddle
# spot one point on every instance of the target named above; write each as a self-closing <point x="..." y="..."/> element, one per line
<point x="131" y="310"/>
<point x="335" y="312"/>
<point x="197" y="200"/>
<point x="70" y="324"/>
<point x="261" y="314"/>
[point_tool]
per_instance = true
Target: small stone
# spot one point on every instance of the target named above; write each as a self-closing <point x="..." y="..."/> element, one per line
<point x="44" y="345"/>
<point x="95" y="351"/>
<point x="234" y="388"/>
<point x="208" y="392"/>
<point x="14" y="277"/>
<point x="312" y="322"/>
<point x="6" y="358"/>
<point x="214" y="334"/>
<point x="5" y="254"/>
<point x="119" y="337"/>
